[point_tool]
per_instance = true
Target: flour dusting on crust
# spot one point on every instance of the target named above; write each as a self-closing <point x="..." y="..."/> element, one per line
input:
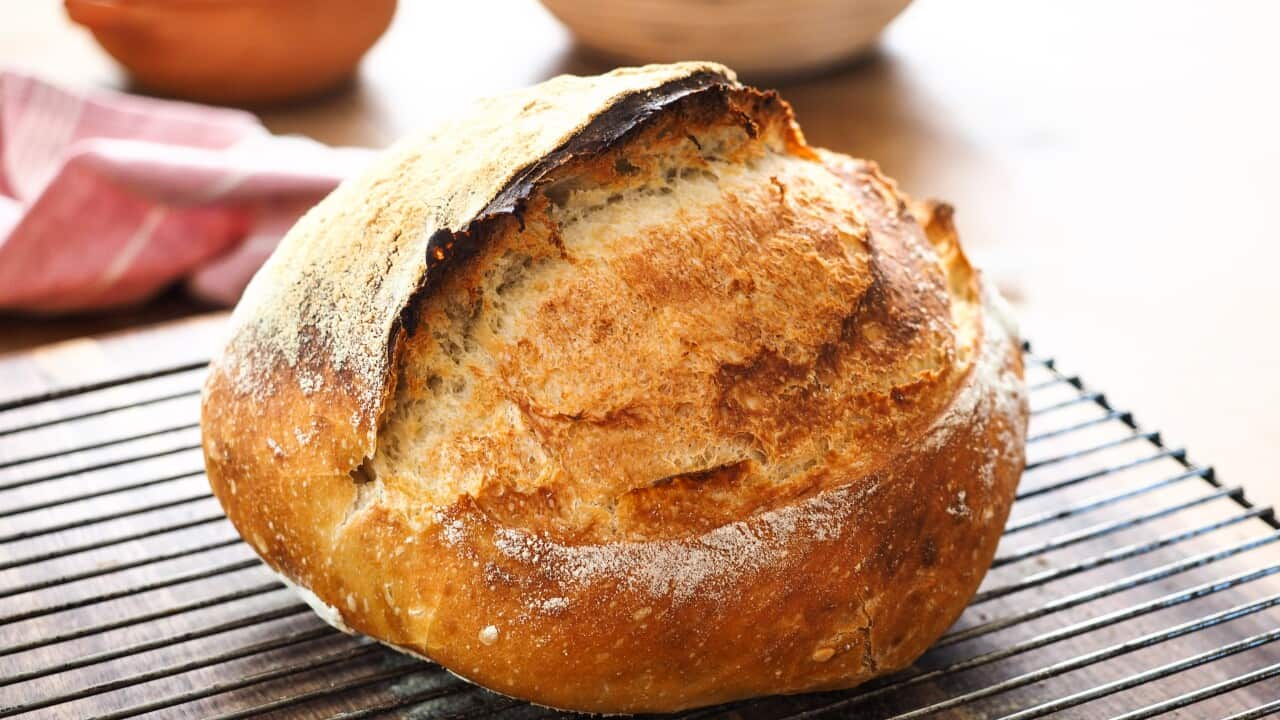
<point x="709" y="566"/>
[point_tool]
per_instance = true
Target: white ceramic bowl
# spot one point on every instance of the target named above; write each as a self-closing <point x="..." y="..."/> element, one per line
<point x="754" y="37"/>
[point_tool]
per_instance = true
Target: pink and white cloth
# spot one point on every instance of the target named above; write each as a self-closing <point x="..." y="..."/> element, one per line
<point x="107" y="198"/>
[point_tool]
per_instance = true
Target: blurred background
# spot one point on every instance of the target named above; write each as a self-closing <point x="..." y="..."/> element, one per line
<point x="1113" y="164"/>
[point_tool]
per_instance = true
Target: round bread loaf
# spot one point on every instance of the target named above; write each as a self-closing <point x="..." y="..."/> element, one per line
<point x="614" y="395"/>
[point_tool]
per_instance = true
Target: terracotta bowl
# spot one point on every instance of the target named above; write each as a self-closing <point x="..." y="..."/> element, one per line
<point x="236" y="51"/>
<point x="754" y="37"/>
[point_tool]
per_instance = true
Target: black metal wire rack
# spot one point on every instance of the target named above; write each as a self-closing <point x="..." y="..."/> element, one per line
<point x="1130" y="583"/>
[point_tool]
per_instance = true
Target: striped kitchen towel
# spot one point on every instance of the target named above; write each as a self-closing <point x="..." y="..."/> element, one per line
<point x="106" y="199"/>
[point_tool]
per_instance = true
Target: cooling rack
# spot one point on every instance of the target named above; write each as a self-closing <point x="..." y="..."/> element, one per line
<point x="1131" y="582"/>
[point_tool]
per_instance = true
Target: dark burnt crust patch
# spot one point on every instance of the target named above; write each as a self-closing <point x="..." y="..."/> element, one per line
<point x="605" y="130"/>
<point x="700" y="97"/>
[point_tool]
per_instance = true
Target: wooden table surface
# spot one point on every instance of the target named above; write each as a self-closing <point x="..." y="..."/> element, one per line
<point x="1112" y="164"/>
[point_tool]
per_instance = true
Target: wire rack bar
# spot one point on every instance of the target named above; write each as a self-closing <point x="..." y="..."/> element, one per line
<point x="108" y="465"/>
<point x="902" y="682"/>
<point x="1261" y="711"/>
<point x="1124" y="417"/>
<point x="1059" y="379"/>
<point x="46" y="504"/>
<point x="99" y="519"/>
<point x="128" y="592"/>
<point x="1196" y="696"/>
<point x="1099" y="501"/>
<point x="1090" y="658"/>
<point x="1137" y="679"/>
<point x="92" y="630"/>
<point x="237" y="684"/>
<point x="76" y="417"/>
<point x="27" y="460"/>
<point x="149" y="645"/>
<point x="256" y="648"/>
<point x="1176" y="454"/>
<point x="37" y="399"/>
<point x="1111" y="556"/>
<point x="1106" y="528"/>
<point x="493" y="708"/>
<point x="1081" y="399"/>
<point x="98" y="545"/>
<point x="356" y="684"/>
<point x="1101" y="591"/>
<point x="1110" y="444"/>
<point x="118" y="567"/>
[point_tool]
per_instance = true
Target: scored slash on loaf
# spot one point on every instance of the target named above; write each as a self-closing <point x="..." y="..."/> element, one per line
<point x="643" y="404"/>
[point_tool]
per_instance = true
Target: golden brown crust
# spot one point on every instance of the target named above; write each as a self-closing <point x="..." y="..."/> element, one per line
<point x="694" y="413"/>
